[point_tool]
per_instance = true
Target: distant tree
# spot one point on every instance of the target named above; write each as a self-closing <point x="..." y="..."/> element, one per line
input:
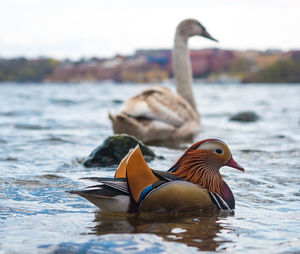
<point x="240" y="65"/>
<point x="24" y="70"/>
<point x="283" y="71"/>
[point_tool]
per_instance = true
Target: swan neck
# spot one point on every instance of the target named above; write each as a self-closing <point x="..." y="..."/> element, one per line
<point x="182" y="68"/>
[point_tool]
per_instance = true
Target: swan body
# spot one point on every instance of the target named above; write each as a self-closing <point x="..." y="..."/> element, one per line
<point x="157" y="113"/>
<point x="192" y="183"/>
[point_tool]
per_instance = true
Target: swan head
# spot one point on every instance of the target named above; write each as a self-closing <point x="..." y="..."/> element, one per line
<point x="192" y="27"/>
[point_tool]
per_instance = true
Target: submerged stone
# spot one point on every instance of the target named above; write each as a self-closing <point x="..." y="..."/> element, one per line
<point x="113" y="150"/>
<point x="246" y="116"/>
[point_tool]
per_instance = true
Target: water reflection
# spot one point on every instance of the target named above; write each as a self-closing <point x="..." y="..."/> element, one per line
<point x="201" y="231"/>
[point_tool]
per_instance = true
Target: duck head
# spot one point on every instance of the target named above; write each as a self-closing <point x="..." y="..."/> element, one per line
<point x="192" y="27"/>
<point x="201" y="163"/>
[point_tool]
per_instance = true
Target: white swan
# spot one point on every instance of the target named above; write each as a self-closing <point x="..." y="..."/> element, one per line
<point x="157" y="113"/>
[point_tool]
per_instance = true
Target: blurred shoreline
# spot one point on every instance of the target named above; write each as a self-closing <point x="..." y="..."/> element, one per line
<point x="210" y="65"/>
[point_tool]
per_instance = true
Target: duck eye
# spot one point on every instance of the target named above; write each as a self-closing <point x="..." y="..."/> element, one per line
<point x="219" y="151"/>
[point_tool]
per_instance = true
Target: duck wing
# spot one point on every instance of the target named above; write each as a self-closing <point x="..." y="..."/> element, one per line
<point x="179" y="196"/>
<point x="110" y="195"/>
<point x="140" y="177"/>
<point x="114" y="183"/>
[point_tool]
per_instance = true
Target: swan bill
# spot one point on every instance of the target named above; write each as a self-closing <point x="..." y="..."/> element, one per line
<point x="208" y="36"/>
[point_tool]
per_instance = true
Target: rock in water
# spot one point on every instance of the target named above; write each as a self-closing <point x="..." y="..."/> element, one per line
<point x="246" y="116"/>
<point x="113" y="150"/>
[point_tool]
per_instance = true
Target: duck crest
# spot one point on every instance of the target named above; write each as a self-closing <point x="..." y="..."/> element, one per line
<point x="198" y="168"/>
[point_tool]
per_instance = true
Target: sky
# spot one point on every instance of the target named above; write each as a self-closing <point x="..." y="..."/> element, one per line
<point x="104" y="28"/>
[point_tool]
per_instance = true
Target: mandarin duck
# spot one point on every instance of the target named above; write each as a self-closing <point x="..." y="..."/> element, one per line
<point x="193" y="182"/>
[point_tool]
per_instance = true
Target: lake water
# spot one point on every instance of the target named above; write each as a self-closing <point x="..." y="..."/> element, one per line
<point x="46" y="130"/>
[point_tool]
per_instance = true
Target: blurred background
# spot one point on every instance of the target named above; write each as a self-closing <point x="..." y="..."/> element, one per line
<point x="65" y="64"/>
<point x="95" y="40"/>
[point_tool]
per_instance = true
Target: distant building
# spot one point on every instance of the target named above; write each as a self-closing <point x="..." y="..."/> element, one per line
<point x="155" y="65"/>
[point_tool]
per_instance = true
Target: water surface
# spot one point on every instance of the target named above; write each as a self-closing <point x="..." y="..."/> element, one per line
<point x="46" y="130"/>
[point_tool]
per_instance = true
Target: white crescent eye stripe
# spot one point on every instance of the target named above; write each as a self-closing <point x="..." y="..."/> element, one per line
<point x="210" y="145"/>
